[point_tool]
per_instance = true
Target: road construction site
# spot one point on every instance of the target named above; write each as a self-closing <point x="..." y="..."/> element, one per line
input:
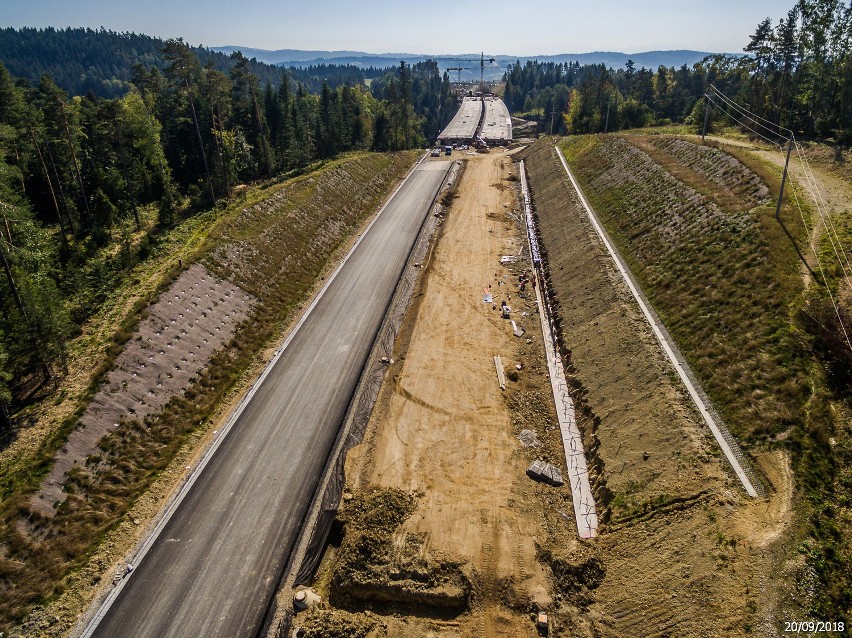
<point x="481" y="121"/>
<point x="462" y="511"/>
<point x="469" y="544"/>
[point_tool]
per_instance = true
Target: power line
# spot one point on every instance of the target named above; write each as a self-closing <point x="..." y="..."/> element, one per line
<point x="752" y="114"/>
<point x="745" y="126"/>
<point x="810" y="179"/>
<point x="822" y="272"/>
<point x="833" y="236"/>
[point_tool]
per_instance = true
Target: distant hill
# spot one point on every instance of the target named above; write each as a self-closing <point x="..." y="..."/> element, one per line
<point x="100" y="61"/>
<point x="287" y="55"/>
<point x="493" y="71"/>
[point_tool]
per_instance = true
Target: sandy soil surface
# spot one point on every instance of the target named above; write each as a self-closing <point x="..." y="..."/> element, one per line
<point x="443" y="428"/>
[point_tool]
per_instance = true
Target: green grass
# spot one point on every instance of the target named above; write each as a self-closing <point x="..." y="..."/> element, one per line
<point x="721" y="277"/>
<point x="727" y="282"/>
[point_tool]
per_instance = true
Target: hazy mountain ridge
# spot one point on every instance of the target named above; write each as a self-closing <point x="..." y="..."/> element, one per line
<point x="493" y="71"/>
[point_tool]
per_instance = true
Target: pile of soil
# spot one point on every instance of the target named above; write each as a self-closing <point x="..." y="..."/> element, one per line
<point x="378" y="564"/>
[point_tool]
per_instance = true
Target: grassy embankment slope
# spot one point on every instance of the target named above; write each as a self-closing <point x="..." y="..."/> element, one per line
<point x="274" y="242"/>
<point x="726" y="280"/>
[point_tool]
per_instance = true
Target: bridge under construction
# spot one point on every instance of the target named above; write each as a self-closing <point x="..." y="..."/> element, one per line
<point x="484" y="120"/>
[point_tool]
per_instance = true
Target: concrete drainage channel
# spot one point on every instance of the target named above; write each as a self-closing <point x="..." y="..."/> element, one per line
<point x="310" y="545"/>
<point x="729" y="446"/>
<point x="585" y="510"/>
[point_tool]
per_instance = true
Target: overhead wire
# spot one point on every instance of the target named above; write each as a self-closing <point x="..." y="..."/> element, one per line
<point x="753" y="115"/>
<point x="810" y="179"/>
<point x="745" y="113"/>
<point x="756" y="133"/>
<point x="819" y="200"/>
<point x="822" y="272"/>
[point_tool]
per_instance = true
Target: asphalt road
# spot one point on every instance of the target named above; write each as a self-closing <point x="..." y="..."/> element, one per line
<point x="215" y="566"/>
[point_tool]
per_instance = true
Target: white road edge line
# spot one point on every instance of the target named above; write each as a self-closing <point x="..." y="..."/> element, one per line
<point x="223" y="433"/>
<point x="585" y="508"/>
<point x="667" y="347"/>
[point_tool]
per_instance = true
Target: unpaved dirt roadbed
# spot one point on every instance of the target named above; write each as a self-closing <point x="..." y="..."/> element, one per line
<point x="682" y="551"/>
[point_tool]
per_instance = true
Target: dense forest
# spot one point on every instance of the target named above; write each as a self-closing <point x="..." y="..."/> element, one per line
<point x="76" y="172"/>
<point x="797" y="73"/>
<point x="100" y="62"/>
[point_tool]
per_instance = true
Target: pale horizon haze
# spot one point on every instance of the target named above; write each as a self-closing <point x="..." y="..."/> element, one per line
<point x="539" y="27"/>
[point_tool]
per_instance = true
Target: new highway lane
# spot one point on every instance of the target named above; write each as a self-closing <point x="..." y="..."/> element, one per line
<point x="215" y="565"/>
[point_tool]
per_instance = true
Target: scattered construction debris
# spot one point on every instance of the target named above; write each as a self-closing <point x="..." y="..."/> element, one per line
<point x="545" y="473"/>
<point x="305" y="599"/>
<point x="542" y="624"/>
<point x="585" y="509"/>
<point x="501" y="376"/>
<point x="529" y="438"/>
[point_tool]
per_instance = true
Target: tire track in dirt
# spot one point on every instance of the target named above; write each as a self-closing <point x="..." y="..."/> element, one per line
<point x="443" y="427"/>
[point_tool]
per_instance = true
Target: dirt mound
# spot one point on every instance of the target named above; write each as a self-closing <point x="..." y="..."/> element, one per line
<point x="575" y="576"/>
<point x="378" y="564"/>
<point x="334" y="623"/>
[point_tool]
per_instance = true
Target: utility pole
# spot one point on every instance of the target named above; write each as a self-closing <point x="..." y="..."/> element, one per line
<point x="552" y="113"/>
<point x="783" y="180"/>
<point x="606" y="124"/>
<point x="704" y="132"/>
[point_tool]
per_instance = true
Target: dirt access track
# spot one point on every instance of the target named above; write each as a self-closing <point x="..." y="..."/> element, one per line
<point x="696" y="556"/>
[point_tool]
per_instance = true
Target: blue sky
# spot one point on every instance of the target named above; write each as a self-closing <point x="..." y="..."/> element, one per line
<point x="429" y="26"/>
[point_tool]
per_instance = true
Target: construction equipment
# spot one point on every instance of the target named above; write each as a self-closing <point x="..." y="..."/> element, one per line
<point x="459" y="69"/>
<point x="482" y="60"/>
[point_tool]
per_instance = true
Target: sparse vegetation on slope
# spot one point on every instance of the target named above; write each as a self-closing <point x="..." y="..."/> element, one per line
<point x="715" y="266"/>
<point x="307" y="217"/>
<point x="698" y="231"/>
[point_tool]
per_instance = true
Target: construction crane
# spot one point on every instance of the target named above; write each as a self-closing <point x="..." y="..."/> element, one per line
<point x="459" y="69"/>
<point x="482" y="60"/>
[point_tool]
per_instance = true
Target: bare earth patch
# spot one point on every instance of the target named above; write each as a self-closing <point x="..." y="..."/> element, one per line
<point x="444" y="430"/>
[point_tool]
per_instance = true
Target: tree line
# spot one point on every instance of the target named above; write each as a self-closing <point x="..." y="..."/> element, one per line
<point x="797" y="73"/>
<point x="77" y="173"/>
